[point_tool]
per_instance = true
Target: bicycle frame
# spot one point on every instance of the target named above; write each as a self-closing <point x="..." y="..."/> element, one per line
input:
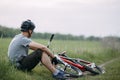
<point x="72" y="63"/>
<point x="78" y="65"/>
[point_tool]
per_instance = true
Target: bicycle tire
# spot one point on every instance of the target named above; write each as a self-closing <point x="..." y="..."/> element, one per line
<point x="73" y="71"/>
<point x="95" y="71"/>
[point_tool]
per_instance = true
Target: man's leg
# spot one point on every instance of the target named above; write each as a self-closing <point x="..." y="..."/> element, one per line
<point x="30" y="61"/>
<point x="47" y="62"/>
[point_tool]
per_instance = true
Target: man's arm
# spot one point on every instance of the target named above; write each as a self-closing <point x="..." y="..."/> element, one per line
<point x="34" y="46"/>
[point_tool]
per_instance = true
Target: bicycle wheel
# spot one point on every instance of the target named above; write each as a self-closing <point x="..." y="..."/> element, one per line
<point x="71" y="70"/>
<point x="96" y="70"/>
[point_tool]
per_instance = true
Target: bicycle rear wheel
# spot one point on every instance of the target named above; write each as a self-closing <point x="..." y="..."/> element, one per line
<point x="96" y="70"/>
<point x="71" y="70"/>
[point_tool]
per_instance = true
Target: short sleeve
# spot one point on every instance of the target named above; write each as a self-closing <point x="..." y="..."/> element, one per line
<point x="26" y="41"/>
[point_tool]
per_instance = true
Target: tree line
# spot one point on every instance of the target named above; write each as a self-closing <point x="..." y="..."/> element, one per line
<point x="6" y="32"/>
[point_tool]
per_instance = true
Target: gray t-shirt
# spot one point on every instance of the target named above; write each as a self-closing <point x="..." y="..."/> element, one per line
<point x="18" y="47"/>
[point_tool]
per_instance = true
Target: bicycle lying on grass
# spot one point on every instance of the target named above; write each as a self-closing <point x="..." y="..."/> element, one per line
<point x="75" y="67"/>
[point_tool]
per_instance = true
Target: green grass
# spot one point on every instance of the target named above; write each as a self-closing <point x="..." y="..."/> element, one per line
<point x="88" y="50"/>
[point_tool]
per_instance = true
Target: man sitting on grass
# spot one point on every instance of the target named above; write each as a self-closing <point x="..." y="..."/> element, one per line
<point x="18" y="52"/>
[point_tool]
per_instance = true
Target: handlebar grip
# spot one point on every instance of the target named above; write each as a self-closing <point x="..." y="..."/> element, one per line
<point x="51" y="37"/>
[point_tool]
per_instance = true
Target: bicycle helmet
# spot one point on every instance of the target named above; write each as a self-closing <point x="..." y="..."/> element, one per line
<point x="27" y="25"/>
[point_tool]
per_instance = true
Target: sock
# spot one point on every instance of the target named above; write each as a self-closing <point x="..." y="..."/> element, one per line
<point x="56" y="72"/>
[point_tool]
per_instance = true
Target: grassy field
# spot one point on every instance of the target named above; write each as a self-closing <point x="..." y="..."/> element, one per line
<point x="88" y="50"/>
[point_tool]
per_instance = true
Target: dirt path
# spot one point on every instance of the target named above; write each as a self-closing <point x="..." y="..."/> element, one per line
<point x="108" y="62"/>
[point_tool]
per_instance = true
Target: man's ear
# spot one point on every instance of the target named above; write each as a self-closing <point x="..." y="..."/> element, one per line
<point x="30" y="31"/>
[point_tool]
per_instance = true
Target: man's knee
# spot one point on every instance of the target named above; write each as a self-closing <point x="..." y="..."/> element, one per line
<point x="39" y="53"/>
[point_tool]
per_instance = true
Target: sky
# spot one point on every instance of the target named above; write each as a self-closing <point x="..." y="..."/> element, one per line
<point x="77" y="17"/>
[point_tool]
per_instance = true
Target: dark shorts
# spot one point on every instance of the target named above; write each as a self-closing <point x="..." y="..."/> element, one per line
<point x="27" y="63"/>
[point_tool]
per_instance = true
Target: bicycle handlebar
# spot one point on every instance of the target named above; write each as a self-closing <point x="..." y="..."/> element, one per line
<point x="51" y="38"/>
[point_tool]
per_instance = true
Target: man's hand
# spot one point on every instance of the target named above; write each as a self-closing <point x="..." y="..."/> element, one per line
<point x="55" y="61"/>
